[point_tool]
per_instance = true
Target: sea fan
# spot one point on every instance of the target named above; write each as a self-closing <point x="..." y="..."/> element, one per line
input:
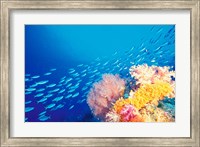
<point x="104" y="93"/>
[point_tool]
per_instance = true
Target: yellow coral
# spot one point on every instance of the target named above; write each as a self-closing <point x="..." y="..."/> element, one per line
<point x="146" y="94"/>
<point x="151" y="92"/>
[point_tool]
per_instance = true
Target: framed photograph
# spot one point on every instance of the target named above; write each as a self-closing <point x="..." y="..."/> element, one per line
<point x="100" y="73"/>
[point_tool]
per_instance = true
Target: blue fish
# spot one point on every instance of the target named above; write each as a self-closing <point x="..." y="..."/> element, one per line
<point x="75" y="95"/>
<point x="50" y="106"/>
<point x="61" y="91"/>
<point x="71" y="107"/>
<point x="28" y="102"/>
<point x="26" y="119"/>
<point x="44" y="118"/>
<point x="34" y="85"/>
<point x="60" y="106"/>
<point x="48" y="95"/>
<point x="40" y="90"/>
<point x="42" y="100"/>
<point x="48" y="73"/>
<point x="26" y="80"/>
<point x="53" y="69"/>
<point x="31" y="89"/>
<point x="35" y="77"/>
<point x="70" y="84"/>
<point x="84" y="88"/>
<point x="51" y="85"/>
<point x="42" y="82"/>
<point x="71" y="71"/>
<point x="80" y="65"/>
<point x="71" y="90"/>
<point x="68" y="96"/>
<point x="39" y="95"/>
<point x="28" y="109"/>
<point x="42" y="112"/>
<point x="28" y="92"/>
<point x="58" y="98"/>
<point x="55" y="90"/>
<point x="83" y="75"/>
<point x="62" y="81"/>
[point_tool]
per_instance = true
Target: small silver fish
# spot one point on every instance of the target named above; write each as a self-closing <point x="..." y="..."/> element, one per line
<point x="40" y="90"/>
<point x="42" y="112"/>
<point x="71" y="107"/>
<point x="68" y="96"/>
<point x="28" y="102"/>
<point x="72" y="90"/>
<point x="39" y="95"/>
<point x="51" y="85"/>
<point x="53" y="69"/>
<point x="61" y="91"/>
<point x="60" y="106"/>
<point x="48" y="73"/>
<point x="58" y="98"/>
<point x="42" y="82"/>
<point x="48" y="95"/>
<point x="44" y="118"/>
<point x="35" y="77"/>
<point x="34" y="85"/>
<point x="70" y="84"/>
<point x="28" y="92"/>
<point x="28" y="109"/>
<point x="55" y="90"/>
<point x="50" y="106"/>
<point x="31" y="89"/>
<point x="27" y="75"/>
<point x="42" y="100"/>
<point x="75" y="95"/>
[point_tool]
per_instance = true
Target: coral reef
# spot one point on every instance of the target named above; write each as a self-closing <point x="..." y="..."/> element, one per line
<point x="145" y="74"/>
<point x="104" y="93"/>
<point x="143" y="100"/>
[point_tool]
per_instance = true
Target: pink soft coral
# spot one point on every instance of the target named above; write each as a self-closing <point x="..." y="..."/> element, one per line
<point x="128" y="112"/>
<point x="104" y="93"/>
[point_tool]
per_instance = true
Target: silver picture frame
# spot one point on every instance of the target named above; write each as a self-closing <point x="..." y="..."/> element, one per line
<point x="7" y="6"/>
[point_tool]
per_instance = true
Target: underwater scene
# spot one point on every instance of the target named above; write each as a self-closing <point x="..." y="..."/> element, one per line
<point x="99" y="73"/>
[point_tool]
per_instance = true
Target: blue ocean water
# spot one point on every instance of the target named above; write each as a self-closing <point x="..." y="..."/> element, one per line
<point x="63" y="61"/>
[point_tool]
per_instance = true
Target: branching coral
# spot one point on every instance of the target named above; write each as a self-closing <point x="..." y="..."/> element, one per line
<point x="145" y="74"/>
<point x="104" y="93"/>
